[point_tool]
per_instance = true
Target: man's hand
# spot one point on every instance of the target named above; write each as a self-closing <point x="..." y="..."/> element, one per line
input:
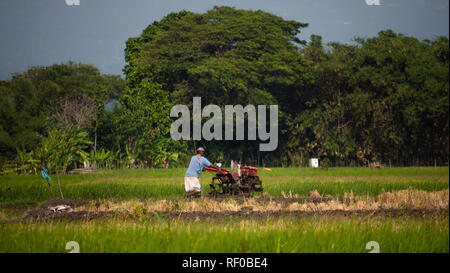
<point x="214" y="166"/>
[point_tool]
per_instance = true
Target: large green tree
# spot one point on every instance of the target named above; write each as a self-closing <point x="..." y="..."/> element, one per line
<point x="228" y="57"/>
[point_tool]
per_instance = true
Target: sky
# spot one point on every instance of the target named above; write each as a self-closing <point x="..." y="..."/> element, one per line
<point x="45" y="32"/>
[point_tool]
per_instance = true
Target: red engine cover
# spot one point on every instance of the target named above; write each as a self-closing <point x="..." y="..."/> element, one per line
<point x="248" y="170"/>
<point x="222" y="171"/>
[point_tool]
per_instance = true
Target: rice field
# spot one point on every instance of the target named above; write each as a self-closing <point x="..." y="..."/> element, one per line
<point x="273" y="235"/>
<point x="301" y="210"/>
<point x="168" y="183"/>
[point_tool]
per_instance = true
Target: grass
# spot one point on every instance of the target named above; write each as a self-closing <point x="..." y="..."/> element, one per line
<point x="128" y="229"/>
<point x="275" y="235"/>
<point x="168" y="183"/>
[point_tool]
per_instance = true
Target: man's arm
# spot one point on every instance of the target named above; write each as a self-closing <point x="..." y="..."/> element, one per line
<point x="209" y="164"/>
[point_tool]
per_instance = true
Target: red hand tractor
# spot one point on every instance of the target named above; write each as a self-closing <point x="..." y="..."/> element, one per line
<point x="243" y="183"/>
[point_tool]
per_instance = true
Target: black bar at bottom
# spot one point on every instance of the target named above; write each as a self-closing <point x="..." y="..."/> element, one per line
<point x="224" y="262"/>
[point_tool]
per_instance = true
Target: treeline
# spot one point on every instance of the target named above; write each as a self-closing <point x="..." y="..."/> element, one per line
<point x="382" y="99"/>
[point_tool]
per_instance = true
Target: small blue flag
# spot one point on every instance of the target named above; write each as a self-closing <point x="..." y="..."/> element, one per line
<point x="44" y="173"/>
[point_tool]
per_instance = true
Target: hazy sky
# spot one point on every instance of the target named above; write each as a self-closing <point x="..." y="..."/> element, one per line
<point x="44" y="32"/>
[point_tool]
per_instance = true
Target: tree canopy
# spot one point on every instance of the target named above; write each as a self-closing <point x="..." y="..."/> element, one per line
<point x="378" y="99"/>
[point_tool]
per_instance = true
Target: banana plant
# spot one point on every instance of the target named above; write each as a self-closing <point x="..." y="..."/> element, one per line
<point x="61" y="148"/>
<point x="22" y="161"/>
<point x="113" y="159"/>
<point x="102" y="156"/>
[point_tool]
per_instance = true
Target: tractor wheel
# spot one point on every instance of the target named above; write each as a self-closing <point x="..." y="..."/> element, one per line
<point x="235" y="189"/>
<point x="256" y="184"/>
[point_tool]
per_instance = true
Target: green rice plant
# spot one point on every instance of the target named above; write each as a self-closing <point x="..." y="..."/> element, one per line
<point x="275" y="235"/>
<point x="169" y="183"/>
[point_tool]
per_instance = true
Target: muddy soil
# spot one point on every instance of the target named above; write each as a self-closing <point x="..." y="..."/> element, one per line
<point x="46" y="215"/>
<point x="333" y="213"/>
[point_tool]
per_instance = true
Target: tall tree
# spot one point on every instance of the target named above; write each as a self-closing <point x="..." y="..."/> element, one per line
<point x="227" y="56"/>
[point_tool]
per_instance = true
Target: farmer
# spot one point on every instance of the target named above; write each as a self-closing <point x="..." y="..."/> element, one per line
<point x="191" y="178"/>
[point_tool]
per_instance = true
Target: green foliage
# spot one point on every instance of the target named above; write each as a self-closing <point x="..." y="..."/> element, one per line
<point x="101" y="157"/>
<point x="383" y="99"/>
<point x="226" y="56"/>
<point x="144" y="123"/>
<point x="26" y="162"/>
<point x="62" y="149"/>
<point x="29" y="99"/>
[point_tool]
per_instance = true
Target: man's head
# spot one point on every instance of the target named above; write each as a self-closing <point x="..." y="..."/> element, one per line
<point x="201" y="151"/>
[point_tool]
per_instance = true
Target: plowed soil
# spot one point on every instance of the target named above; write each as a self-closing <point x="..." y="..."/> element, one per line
<point x="46" y="215"/>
